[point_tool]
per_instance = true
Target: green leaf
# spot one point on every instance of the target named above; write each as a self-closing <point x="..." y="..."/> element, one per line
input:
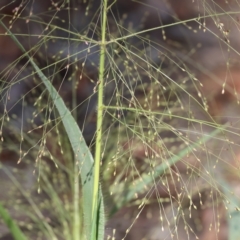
<point x="13" y="227"/>
<point x="79" y="146"/>
<point x="233" y="210"/>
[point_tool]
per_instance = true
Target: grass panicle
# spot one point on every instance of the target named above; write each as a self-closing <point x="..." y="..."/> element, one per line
<point x="119" y="119"/>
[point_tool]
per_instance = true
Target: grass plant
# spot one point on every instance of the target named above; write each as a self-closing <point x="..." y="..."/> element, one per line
<point x="141" y="95"/>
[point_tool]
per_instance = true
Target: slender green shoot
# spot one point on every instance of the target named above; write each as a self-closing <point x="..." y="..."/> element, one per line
<point x="13" y="227"/>
<point x="98" y="154"/>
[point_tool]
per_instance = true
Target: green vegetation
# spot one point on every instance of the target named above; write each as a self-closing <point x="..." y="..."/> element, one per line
<point x="150" y="89"/>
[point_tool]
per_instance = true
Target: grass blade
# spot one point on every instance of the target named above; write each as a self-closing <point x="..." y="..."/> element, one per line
<point x="80" y="149"/>
<point x="233" y="210"/>
<point x="13" y="227"/>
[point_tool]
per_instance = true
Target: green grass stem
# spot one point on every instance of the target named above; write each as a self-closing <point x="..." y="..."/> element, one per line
<point x="100" y="83"/>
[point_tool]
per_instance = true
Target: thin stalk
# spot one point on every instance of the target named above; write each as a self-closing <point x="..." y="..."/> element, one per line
<point x="76" y="185"/>
<point x="99" y="110"/>
<point x="77" y="223"/>
<point x="76" y="204"/>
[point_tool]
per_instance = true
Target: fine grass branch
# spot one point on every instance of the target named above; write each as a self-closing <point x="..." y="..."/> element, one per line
<point x="147" y="180"/>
